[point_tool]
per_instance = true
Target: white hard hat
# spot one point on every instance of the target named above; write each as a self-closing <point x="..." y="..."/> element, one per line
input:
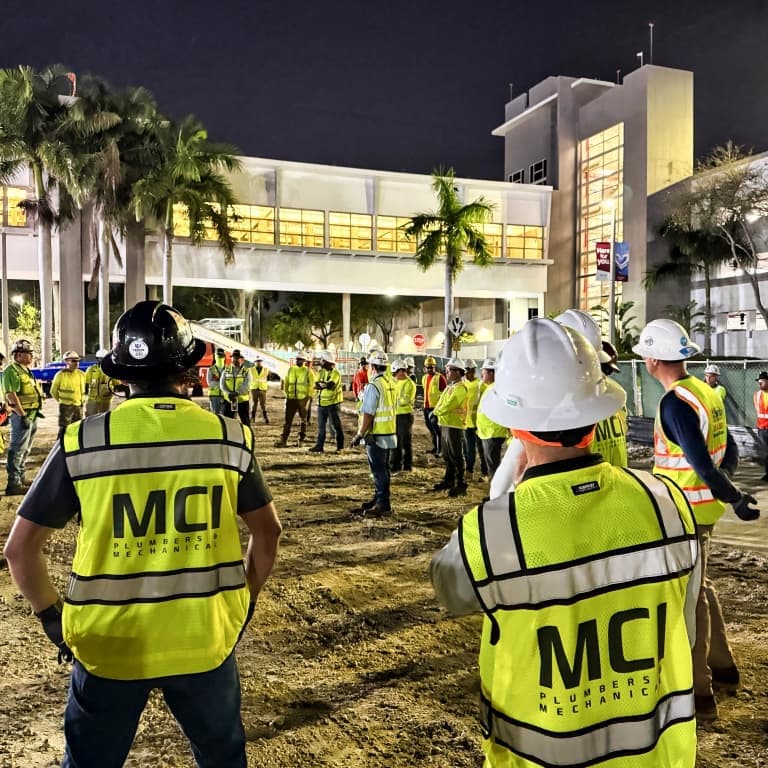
<point x="300" y="355"/>
<point x="378" y="357"/>
<point x="712" y="368"/>
<point x="665" y="339"/>
<point x="586" y="325"/>
<point x="548" y="378"/>
<point x="398" y="365"/>
<point x="101" y="353"/>
<point x="456" y="362"/>
<point x="328" y="357"/>
<point x="470" y="363"/>
<point x="410" y="362"/>
<point x="489" y="364"/>
<point x="71" y="355"/>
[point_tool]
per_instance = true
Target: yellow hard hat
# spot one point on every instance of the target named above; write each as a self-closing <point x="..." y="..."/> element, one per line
<point x="429" y="361"/>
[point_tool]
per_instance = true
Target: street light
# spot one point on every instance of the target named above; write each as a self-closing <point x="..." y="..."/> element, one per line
<point x="611" y="206"/>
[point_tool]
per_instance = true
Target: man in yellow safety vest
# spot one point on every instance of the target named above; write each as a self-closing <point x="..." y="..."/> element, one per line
<point x="68" y="390"/>
<point x="450" y="414"/>
<point x="99" y="388"/>
<point x="259" y="385"/>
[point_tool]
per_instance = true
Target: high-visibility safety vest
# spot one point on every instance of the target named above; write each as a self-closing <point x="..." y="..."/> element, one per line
<point x="432" y="384"/>
<point x="451" y="408"/>
<point x="610" y="439"/>
<point x="68" y="387"/>
<point x="384" y="422"/>
<point x="232" y="379"/>
<point x="486" y="428"/>
<point x="158" y="583"/>
<point x="98" y="385"/>
<point x="473" y="400"/>
<point x="214" y="390"/>
<point x="405" y="390"/>
<point x="670" y="460"/>
<point x="20" y="381"/>
<point x="330" y="396"/>
<point x="761" y="409"/>
<point x="298" y="382"/>
<point x="585" y="659"/>
<point x="259" y="378"/>
<point x="721" y="391"/>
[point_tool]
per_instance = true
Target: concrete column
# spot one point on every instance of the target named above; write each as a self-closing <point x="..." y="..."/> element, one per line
<point x="135" y="264"/>
<point x="73" y="242"/>
<point x="346" y="322"/>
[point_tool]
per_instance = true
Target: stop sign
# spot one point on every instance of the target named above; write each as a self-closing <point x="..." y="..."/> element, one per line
<point x="418" y="340"/>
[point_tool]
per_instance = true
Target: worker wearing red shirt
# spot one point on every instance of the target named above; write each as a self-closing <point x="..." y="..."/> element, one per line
<point x="360" y="379"/>
<point x="432" y="383"/>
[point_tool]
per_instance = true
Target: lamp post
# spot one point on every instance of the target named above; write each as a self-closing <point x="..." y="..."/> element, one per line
<point x="611" y="205"/>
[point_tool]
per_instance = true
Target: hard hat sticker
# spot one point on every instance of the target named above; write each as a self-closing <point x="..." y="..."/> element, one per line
<point x="138" y="349"/>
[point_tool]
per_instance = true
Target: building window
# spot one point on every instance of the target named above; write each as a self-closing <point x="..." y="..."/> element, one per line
<point x="17" y="217"/>
<point x="350" y="231"/>
<point x="302" y="227"/>
<point x="538" y="172"/>
<point x="253" y="224"/>
<point x="180" y="220"/>
<point x="518" y="177"/>
<point x="493" y="235"/>
<point x="601" y="202"/>
<point x="390" y="237"/>
<point x="525" y="242"/>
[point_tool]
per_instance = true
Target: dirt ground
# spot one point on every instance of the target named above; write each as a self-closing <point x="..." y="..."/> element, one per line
<point x="349" y="660"/>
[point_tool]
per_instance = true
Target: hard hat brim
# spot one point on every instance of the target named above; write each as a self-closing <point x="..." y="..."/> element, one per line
<point x="559" y="416"/>
<point x="140" y="372"/>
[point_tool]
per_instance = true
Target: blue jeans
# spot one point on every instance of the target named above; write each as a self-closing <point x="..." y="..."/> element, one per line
<point x="217" y="404"/>
<point x="378" y="461"/>
<point x="324" y="414"/>
<point x="102" y="715"/>
<point x="18" y="449"/>
<point x="763" y="435"/>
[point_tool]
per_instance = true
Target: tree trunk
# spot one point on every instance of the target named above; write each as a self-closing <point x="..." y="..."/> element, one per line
<point x="447" y="346"/>
<point x="45" y="269"/>
<point x="707" y="313"/>
<point x="168" y="267"/>
<point x="104" y="321"/>
<point x="135" y="263"/>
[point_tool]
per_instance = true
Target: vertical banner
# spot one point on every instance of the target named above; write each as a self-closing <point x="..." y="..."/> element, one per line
<point x="603" y="252"/>
<point x="621" y="253"/>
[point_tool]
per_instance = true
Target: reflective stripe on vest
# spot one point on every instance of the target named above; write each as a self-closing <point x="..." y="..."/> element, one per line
<point x="761" y="408"/>
<point x="451" y="408"/>
<point x="98" y="384"/>
<point x="259" y="378"/>
<point x="68" y="387"/>
<point x="669" y="459"/>
<point x="231" y="381"/>
<point x="297" y="382"/>
<point x="330" y="396"/>
<point x="384" y="422"/>
<point x="30" y="393"/>
<point x="430" y="383"/>
<point x="215" y="389"/>
<point x="622" y="737"/>
<point x="406" y="395"/>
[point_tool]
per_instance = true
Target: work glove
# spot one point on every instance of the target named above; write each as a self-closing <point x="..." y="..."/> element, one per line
<point x="356" y="440"/>
<point x="433" y="419"/>
<point x="743" y="510"/>
<point x="39" y="415"/>
<point x="50" y="618"/>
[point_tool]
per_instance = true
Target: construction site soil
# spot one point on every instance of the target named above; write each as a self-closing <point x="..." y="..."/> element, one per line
<point x="349" y="660"/>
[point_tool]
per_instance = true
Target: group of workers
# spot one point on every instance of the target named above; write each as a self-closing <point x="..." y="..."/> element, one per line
<point x="238" y="388"/>
<point x="603" y="641"/>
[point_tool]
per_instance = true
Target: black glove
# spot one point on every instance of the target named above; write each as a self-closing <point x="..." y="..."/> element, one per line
<point x="39" y="415"/>
<point x="743" y="510"/>
<point x="50" y="618"/>
<point x="433" y="418"/>
<point x="233" y="398"/>
<point x="356" y="440"/>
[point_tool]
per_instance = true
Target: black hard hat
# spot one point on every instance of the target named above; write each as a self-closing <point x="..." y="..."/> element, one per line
<point x="21" y="345"/>
<point x="149" y="340"/>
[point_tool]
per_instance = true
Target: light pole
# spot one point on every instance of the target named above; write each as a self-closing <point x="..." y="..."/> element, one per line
<point x="611" y="205"/>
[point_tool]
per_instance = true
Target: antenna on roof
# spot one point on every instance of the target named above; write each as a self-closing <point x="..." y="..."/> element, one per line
<point x="618" y="76"/>
<point x="650" y="33"/>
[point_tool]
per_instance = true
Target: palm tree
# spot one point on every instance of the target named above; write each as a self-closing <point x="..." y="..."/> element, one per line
<point x="450" y="231"/>
<point x="33" y="107"/>
<point x="692" y="251"/>
<point x="190" y="175"/>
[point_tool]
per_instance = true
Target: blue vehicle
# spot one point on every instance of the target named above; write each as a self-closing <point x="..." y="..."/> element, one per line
<point x="45" y="374"/>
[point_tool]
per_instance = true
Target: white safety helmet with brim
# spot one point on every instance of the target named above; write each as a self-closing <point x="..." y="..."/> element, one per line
<point x="548" y="379"/>
<point x="456" y="362"/>
<point x="489" y="364"/>
<point x="666" y="340"/>
<point x="586" y="325"/>
<point x="151" y="340"/>
<point x="378" y="358"/>
<point x="328" y="357"/>
<point x="712" y="369"/>
<point x="399" y="365"/>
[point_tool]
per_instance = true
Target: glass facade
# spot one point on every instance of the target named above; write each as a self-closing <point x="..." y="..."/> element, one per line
<point x="302" y="227"/>
<point x="525" y="242"/>
<point x="601" y="205"/>
<point x="350" y="231"/>
<point x="390" y="237"/>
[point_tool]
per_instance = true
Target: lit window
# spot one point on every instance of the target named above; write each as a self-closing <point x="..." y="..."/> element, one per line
<point x="253" y="224"/>
<point x="17" y="217"/>
<point x="492" y="234"/>
<point x="525" y="242"/>
<point x="302" y="227"/>
<point x="350" y="231"/>
<point x="180" y="220"/>
<point x="538" y="172"/>
<point x="390" y="237"/>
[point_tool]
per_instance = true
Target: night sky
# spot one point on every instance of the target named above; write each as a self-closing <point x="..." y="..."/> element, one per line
<point x="397" y="85"/>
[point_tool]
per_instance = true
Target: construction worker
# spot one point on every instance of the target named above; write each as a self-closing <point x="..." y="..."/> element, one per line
<point x="330" y="394"/>
<point x="378" y="430"/>
<point x="401" y="456"/>
<point x="450" y="413"/>
<point x="432" y="384"/>
<point x="259" y="384"/>
<point x="235" y="383"/>
<point x="410" y="364"/>
<point x="712" y="377"/>
<point x="213" y="377"/>
<point x="24" y="399"/>
<point x="492" y="436"/>
<point x="99" y="388"/>
<point x="360" y="379"/>
<point x="690" y="446"/>
<point x="761" y="409"/>
<point x="297" y="388"/>
<point x="68" y="390"/>
<point x="150" y="604"/>
<point x="586" y="575"/>
<point x="472" y="445"/>
<point x="314" y="371"/>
